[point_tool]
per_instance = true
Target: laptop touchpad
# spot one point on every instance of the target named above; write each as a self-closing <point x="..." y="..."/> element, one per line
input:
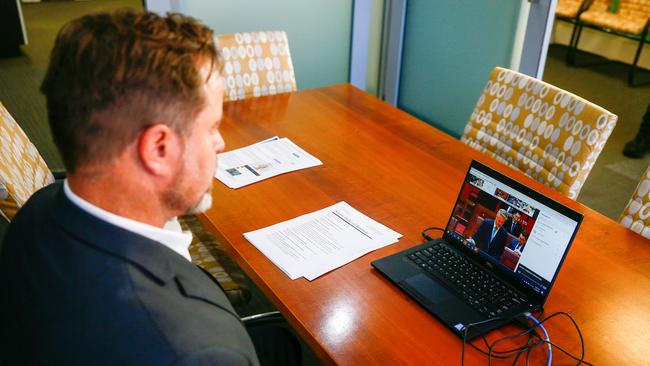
<point x="427" y="289"/>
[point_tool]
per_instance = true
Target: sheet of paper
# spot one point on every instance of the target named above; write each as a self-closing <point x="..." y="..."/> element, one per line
<point x="316" y="243"/>
<point x="262" y="160"/>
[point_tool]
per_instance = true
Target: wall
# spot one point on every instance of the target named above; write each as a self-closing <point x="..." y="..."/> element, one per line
<point x="450" y="47"/>
<point x="319" y="31"/>
<point x="374" y="46"/>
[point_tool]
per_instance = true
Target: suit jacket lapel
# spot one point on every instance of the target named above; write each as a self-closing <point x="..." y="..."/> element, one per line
<point x="163" y="264"/>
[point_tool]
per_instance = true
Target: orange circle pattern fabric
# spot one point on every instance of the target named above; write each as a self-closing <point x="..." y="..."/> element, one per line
<point x="636" y="215"/>
<point x="256" y="64"/>
<point x="22" y="169"/>
<point x="550" y="134"/>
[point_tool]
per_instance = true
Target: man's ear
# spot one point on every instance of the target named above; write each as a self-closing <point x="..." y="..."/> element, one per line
<point x="159" y="149"/>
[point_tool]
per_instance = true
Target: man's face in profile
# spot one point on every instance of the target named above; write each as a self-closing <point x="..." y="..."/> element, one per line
<point x="192" y="188"/>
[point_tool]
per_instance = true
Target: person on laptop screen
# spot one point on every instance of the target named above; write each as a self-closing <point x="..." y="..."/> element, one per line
<point x="513" y="224"/>
<point x="491" y="236"/>
<point x="518" y="244"/>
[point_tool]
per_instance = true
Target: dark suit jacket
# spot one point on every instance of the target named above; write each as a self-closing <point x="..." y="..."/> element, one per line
<point x="513" y="244"/>
<point x="482" y="238"/>
<point x="513" y="230"/>
<point x="75" y="290"/>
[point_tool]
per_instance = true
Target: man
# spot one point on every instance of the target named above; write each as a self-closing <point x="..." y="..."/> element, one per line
<point x="640" y="144"/>
<point x="513" y="225"/>
<point x="491" y="235"/>
<point x="517" y="244"/>
<point x="88" y="273"/>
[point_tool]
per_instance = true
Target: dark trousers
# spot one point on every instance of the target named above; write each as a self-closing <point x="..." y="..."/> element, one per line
<point x="275" y="345"/>
<point x="645" y="122"/>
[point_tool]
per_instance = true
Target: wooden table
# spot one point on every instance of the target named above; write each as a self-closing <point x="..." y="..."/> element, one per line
<point x="407" y="175"/>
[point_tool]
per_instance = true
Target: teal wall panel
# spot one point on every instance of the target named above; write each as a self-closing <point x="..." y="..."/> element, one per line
<point x="450" y="47"/>
<point x="319" y="31"/>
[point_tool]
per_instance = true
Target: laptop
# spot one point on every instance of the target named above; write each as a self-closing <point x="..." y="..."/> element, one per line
<point x="470" y="278"/>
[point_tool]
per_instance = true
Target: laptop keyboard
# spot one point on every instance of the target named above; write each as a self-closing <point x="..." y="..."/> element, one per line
<point x="479" y="288"/>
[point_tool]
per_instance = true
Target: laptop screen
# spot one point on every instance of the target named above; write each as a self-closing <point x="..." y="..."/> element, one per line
<point x="512" y="227"/>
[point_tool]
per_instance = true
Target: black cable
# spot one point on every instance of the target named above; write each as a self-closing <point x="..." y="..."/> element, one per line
<point x="521" y="352"/>
<point x="580" y="360"/>
<point x="427" y="237"/>
<point x="462" y="354"/>
<point x="541" y="341"/>
<point x="518" y="349"/>
<point x="480" y="323"/>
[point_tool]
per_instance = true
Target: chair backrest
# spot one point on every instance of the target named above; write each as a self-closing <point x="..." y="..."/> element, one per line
<point x="551" y="135"/>
<point x="636" y="214"/>
<point x="568" y="8"/>
<point x="630" y="16"/>
<point x="256" y="64"/>
<point x="22" y="169"/>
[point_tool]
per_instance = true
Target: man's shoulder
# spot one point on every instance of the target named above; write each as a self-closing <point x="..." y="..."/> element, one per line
<point x="488" y="222"/>
<point x="39" y="203"/>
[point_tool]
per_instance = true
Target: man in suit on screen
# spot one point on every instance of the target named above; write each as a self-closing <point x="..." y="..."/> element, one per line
<point x="513" y="224"/>
<point x="491" y="235"/>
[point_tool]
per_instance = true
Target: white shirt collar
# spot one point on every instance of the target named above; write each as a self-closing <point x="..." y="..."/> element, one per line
<point x="170" y="236"/>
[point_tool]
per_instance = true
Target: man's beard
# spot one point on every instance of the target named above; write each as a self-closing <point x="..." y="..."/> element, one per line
<point x="203" y="205"/>
<point x="175" y="200"/>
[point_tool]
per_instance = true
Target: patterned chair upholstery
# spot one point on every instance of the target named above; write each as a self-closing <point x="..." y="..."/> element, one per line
<point x="256" y="64"/>
<point x="206" y="252"/>
<point x="631" y="16"/>
<point x="568" y="9"/>
<point x="636" y="214"/>
<point x="552" y="135"/>
<point x="22" y="169"/>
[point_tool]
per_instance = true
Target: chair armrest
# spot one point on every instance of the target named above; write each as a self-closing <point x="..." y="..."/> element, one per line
<point x="263" y="318"/>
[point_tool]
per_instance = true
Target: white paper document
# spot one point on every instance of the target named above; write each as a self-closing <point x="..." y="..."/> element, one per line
<point x="316" y="243"/>
<point x="262" y="160"/>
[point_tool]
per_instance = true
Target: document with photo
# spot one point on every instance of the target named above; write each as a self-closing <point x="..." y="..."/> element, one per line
<point x="262" y="160"/>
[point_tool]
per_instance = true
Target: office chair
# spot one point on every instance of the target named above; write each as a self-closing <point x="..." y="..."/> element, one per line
<point x="550" y="134"/>
<point x="636" y="215"/>
<point x="23" y="171"/>
<point x="256" y="64"/>
<point x="629" y="19"/>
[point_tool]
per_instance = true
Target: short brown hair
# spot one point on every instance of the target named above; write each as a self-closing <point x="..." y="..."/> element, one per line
<point x="113" y="74"/>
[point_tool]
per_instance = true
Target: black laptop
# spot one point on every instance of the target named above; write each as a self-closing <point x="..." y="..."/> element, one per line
<point x="498" y="257"/>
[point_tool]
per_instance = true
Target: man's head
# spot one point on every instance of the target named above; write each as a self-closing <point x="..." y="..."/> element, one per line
<point x="523" y="237"/>
<point x="138" y="87"/>
<point x="112" y="75"/>
<point x="516" y="217"/>
<point x="501" y="217"/>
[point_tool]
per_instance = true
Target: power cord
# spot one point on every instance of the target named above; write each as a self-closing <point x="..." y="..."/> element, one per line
<point x="548" y="339"/>
<point x="427" y="237"/>
<point x="530" y="330"/>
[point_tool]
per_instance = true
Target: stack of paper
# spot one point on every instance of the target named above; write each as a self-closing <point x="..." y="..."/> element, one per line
<point x="316" y="243"/>
<point x="262" y="160"/>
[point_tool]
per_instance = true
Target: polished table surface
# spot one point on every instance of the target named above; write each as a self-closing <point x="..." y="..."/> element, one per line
<point x="406" y="174"/>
